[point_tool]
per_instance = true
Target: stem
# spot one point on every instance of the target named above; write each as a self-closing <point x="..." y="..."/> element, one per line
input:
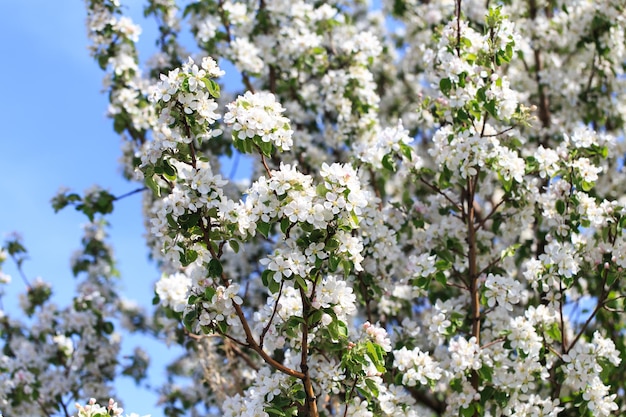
<point x="429" y="401"/>
<point x="18" y="263"/>
<point x="311" y="399"/>
<point x="457" y="14"/>
<point x="481" y="224"/>
<point x="561" y="302"/>
<point x="267" y="169"/>
<point x="345" y="412"/>
<point x="65" y="410"/>
<point x="43" y="409"/>
<point x="599" y="305"/>
<point x="252" y="344"/>
<point x="269" y="323"/>
<point x="440" y="192"/>
<point x="128" y="194"/>
<point x="473" y="268"/>
<point x="544" y="102"/>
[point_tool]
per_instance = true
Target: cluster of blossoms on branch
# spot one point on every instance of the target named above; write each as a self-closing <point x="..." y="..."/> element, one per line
<point x="433" y="222"/>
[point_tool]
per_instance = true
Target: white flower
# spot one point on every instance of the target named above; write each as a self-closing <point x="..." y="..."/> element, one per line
<point x="173" y="290"/>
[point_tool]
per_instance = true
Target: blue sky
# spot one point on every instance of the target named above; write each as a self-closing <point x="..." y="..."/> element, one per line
<point x="55" y="133"/>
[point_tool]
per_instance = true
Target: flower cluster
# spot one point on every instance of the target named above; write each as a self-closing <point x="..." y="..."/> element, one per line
<point x="93" y="409"/>
<point x="187" y="96"/>
<point x="257" y="120"/>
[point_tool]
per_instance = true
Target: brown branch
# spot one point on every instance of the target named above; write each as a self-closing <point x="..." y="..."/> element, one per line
<point x="242" y="355"/>
<point x="502" y="132"/>
<point x="345" y="412"/>
<point x="482" y="222"/>
<point x="311" y="399"/>
<point x="429" y="401"/>
<point x="494" y="262"/>
<point x="544" y="102"/>
<point x="561" y="302"/>
<point x="252" y="344"/>
<point x="128" y="194"/>
<point x="18" y="263"/>
<point x="493" y="342"/>
<point x="601" y="300"/>
<point x="272" y="79"/>
<point x="267" y="169"/>
<point x="366" y="298"/>
<point x="440" y="192"/>
<point x="269" y="323"/>
<point x="457" y="14"/>
<point x="473" y="268"/>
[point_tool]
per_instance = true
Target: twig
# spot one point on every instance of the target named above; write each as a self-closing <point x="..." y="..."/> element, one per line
<point x="128" y="194"/>
<point x="438" y="191"/>
<point x="267" y="169"/>
<point x="345" y="412"/>
<point x="269" y="323"/>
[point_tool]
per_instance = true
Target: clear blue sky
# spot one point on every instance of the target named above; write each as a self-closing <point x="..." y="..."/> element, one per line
<point x="55" y="133"/>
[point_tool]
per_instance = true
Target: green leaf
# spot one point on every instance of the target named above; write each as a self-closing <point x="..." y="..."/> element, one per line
<point x="490" y="106"/>
<point x="376" y="354"/>
<point x="421" y="282"/>
<point x="407" y="151"/>
<point x="103" y="61"/>
<point x="267" y="276"/>
<point x="331" y="245"/>
<point x="443" y="264"/>
<point x="554" y="331"/>
<point x="212" y="86"/>
<point x="444" y="177"/>
<point x="604" y="151"/>
<point x="440" y="277"/>
<point x="315" y="317"/>
<point x="611" y="278"/>
<point x="560" y="207"/>
<point x="263" y="228"/>
<point x="300" y="283"/>
<point x="120" y="123"/>
<point x="371" y="385"/>
<point x="188" y="256"/>
<point x="274" y="411"/>
<point x="152" y="185"/>
<point x="273" y="286"/>
<point x="333" y="262"/>
<point x="234" y="245"/>
<point x="445" y="85"/>
<point x="284" y="224"/>
<point x="168" y="170"/>
<point x="189" y="319"/>
<point x="467" y="412"/>
<point x="215" y="268"/>
<point x="388" y="163"/>
<point x="507" y="184"/>
<point x="107" y="327"/>
<point x="486" y="373"/>
<point x="266" y="147"/>
<point x="338" y="330"/>
<point x="209" y="292"/>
